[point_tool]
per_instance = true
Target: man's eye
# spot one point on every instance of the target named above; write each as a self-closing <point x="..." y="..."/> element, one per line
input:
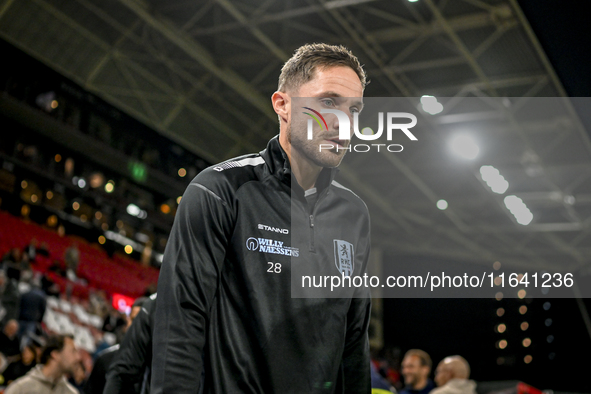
<point x="328" y="103"/>
<point x="354" y="109"/>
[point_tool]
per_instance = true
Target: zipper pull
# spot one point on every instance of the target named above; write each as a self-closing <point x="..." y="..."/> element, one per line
<point x="311" y="220"/>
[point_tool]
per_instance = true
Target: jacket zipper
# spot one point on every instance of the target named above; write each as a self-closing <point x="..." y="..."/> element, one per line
<point x="312" y="245"/>
<point x="311" y="221"/>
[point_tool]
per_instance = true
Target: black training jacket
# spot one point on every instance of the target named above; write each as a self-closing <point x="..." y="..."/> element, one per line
<point x="225" y="320"/>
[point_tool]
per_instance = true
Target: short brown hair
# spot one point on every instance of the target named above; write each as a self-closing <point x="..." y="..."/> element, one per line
<point x="300" y="68"/>
<point x="54" y="342"/>
<point x="422" y="355"/>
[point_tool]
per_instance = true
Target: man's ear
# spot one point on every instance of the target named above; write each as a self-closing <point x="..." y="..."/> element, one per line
<point x="282" y="105"/>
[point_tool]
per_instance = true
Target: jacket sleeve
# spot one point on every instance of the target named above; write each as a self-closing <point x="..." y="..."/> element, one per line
<point x="356" y="361"/>
<point x="187" y="286"/>
<point x="129" y="365"/>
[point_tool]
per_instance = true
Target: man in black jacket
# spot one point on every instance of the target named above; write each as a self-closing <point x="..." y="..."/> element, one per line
<point x="225" y="319"/>
<point x="129" y="371"/>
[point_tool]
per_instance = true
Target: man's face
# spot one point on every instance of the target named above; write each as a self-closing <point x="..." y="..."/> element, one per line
<point x="413" y="371"/>
<point x="442" y="374"/>
<point x="68" y="357"/>
<point x="331" y="88"/>
<point x="11" y="329"/>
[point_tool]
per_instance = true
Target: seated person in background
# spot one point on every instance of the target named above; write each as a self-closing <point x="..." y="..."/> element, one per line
<point x="452" y="375"/>
<point x="416" y="367"/>
<point x="31" y="250"/>
<point x="59" y="357"/>
<point x="43" y="249"/>
<point x="9" y="341"/>
<point x="20" y="367"/>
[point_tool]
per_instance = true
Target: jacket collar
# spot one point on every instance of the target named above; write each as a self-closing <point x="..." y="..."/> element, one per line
<point x="278" y="165"/>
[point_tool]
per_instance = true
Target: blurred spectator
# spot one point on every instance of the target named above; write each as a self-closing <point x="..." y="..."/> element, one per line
<point x="378" y="383"/>
<point x="49" y="287"/>
<point x="416" y="367"/>
<point x="32" y="310"/>
<point x="78" y="378"/>
<point x="43" y="249"/>
<point x="452" y="375"/>
<point x="21" y="367"/>
<point x="135" y="309"/>
<point x="113" y="321"/>
<point x="9" y="294"/>
<point x="98" y="376"/>
<point x="13" y="257"/>
<point x="130" y="370"/>
<point x="59" y="357"/>
<point x="72" y="257"/>
<point x="9" y="341"/>
<point x="31" y="250"/>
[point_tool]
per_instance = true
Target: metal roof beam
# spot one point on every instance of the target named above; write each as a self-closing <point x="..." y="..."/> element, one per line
<point x="201" y="55"/>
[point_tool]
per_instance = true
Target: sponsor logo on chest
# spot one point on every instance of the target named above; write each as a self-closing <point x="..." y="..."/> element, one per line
<point x="265" y="245"/>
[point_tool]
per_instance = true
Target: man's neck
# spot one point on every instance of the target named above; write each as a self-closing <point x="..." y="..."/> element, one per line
<point x="420" y="384"/>
<point x="51" y="372"/>
<point x="305" y="172"/>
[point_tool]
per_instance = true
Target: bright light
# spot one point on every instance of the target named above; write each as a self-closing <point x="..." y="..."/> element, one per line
<point x="518" y="208"/>
<point x="98" y="215"/>
<point x="34" y="198"/>
<point x="523" y="309"/>
<point x="54" y="104"/>
<point x="178" y="199"/>
<point x="521" y="294"/>
<point x="502" y="344"/>
<point x="526" y="342"/>
<point x="182" y="172"/>
<point x="24" y="184"/>
<point x="412" y="1"/>
<point x="102" y="239"/>
<point x="430" y="104"/>
<point x="128" y="249"/>
<point x="49" y="194"/>
<point x="110" y="186"/>
<point x="76" y="206"/>
<point x="501" y="328"/>
<point x="165" y="208"/>
<point x="499" y="296"/>
<point x="524" y="326"/>
<point x="494" y="179"/>
<point x="133" y="210"/>
<point x="500" y="312"/>
<point x="58" y="158"/>
<point x="81" y="183"/>
<point x="527" y="359"/>
<point x="442" y="204"/>
<point x="465" y="147"/>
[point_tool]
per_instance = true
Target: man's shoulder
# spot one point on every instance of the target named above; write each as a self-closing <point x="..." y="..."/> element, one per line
<point x="231" y="173"/>
<point x="20" y="385"/>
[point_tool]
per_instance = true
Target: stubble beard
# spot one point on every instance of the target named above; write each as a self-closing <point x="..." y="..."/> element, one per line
<point x="298" y="138"/>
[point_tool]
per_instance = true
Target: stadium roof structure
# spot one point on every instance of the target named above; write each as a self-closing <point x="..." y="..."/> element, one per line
<point x="202" y="72"/>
